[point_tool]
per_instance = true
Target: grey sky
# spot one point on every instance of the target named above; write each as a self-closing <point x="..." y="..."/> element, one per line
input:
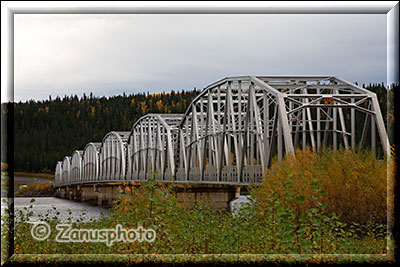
<point x="62" y="54"/>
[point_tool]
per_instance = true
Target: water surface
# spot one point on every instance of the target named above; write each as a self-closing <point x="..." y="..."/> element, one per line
<point x="66" y="208"/>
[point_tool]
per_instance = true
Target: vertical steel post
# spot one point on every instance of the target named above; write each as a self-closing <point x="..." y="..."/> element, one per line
<point x="353" y="127"/>
<point x="373" y="135"/>
<point x="334" y="130"/>
<point x="381" y="126"/>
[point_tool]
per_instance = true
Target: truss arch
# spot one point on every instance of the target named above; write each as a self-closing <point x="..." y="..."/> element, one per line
<point x="58" y="173"/>
<point x="227" y="130"/>
<point x="91" y="165"/>
<point x="76" y="166"/>
<point x="112" y="156"/>
<point x="66" y="167"/>
<point x="152" y="147"/>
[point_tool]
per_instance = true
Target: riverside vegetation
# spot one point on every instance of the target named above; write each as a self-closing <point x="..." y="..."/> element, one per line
<point x="314" y="203"/>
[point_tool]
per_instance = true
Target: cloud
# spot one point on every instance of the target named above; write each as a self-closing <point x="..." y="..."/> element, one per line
<point x="61" y="54"/>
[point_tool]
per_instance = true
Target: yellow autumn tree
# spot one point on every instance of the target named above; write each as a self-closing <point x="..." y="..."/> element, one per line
<point x="159" y="105"/>
<point x="92" y="111"/>
<point x="143" y="107"/>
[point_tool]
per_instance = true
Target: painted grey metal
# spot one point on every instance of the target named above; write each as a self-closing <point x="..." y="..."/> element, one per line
<point x="58" y="173"/>
<point x="112" y="156"/>
<point x="232" y="131"/>
<point x="91" y="163"/>
<point x="152" y="147"/>
<point x="66" y="167"/>
<point x="76" y="166"/>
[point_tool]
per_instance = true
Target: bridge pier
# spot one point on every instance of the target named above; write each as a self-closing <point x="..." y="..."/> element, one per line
<point x="63" y="193"/>
<point x="58" y="192"/>
<point x="105" y="195"/>
<point x="75" y="193"/>
<point x="66" y="192"/>
<point x="88" y="193"/>
<point x="217" y="197"/>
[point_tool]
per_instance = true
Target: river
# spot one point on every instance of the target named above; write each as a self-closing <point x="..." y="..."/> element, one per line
<point x="72" y="209"/>
<point x="66" y="208"/>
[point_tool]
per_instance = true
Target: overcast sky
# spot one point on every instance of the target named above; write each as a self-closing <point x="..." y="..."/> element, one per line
<point x="62" y="54"/>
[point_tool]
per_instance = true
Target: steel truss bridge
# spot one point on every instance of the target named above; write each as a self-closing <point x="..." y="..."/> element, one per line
<point x="231" y="131"/>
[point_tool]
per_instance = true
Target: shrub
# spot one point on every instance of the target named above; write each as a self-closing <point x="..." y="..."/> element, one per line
<point x="180" y="229"/>
<point x="353" y="185"/>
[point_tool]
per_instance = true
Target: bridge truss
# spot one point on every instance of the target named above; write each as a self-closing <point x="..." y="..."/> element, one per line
<point x="232" y="130"/>
<point x="151" y="147"/>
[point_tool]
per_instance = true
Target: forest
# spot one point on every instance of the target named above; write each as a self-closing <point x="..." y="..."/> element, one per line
<point x="45" y="131"/>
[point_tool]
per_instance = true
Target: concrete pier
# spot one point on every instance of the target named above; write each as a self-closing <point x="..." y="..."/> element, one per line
<point x="217" y="196"/>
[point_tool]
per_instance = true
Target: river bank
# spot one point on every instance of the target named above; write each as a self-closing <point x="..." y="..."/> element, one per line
<point x="33" y="185"/>
<point x="44" y="192"/>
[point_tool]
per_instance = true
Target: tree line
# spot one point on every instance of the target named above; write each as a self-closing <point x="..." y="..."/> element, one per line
<point x="46" y="131"/>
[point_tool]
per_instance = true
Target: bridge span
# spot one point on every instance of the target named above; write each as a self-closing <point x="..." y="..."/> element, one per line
<point x="230" y="133"/>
